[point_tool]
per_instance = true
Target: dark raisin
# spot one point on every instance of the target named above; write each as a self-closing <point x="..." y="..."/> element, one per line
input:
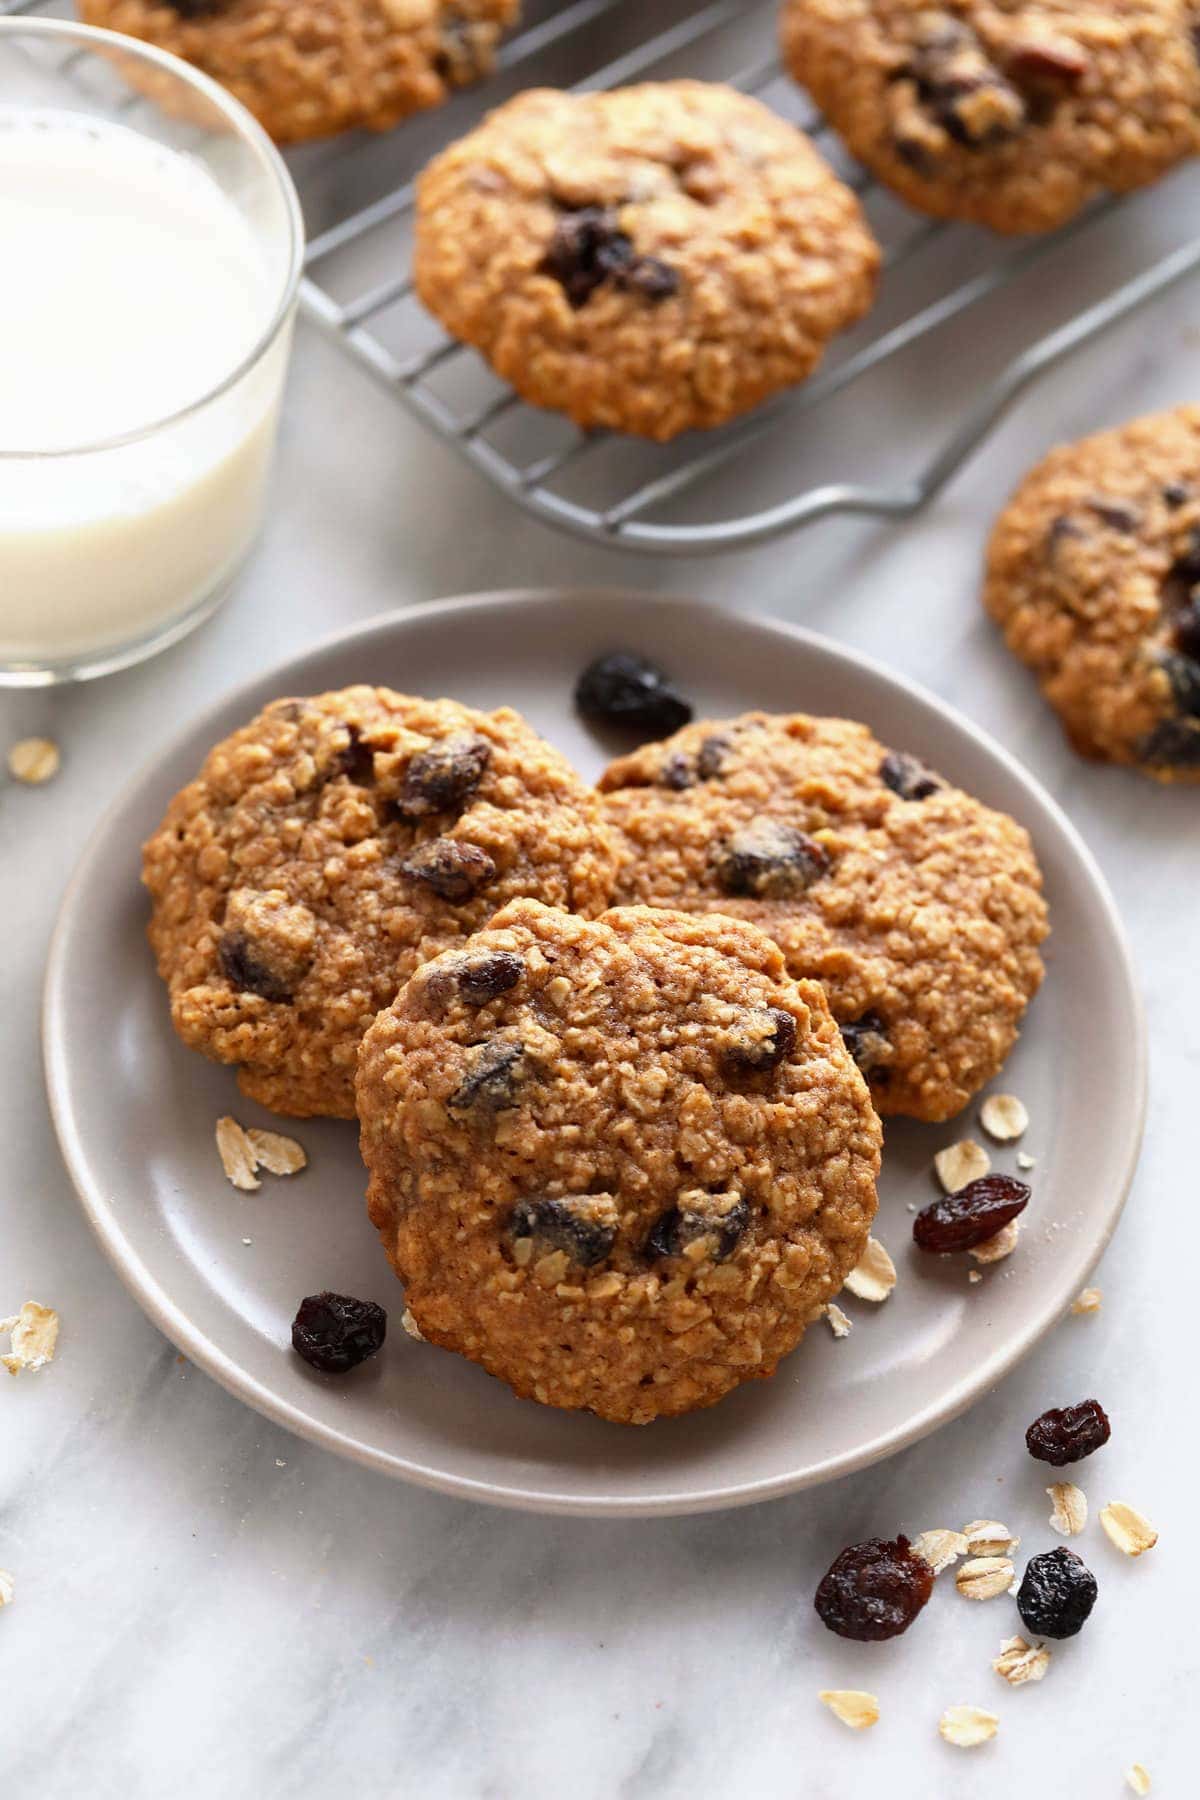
<point x="867" y="1041"/>
<point x="1117" y="514"/>
<point x="1049" y="59"/>
<point x="761" y="1040"/>
<point x="721" y="1217"/>
<point x="582" y="1226"/>
<point x="650" y="277"/>
<point x="1066" y="1434"/>
<point x="1187" y="630"/>
<point x="493" y="1075"/>
<point x="624" y="689"/>
<point x="908" y="776"/>
<point x="588" y="247"/>
<point x="972" y="1216"/>
<point x="1175" y="495"/>
<point x="357" y="761"/>
<point x="197" y="9"/>
<point x="1060" y="529"/>
<point x="335" y="1332"/>
<point x="1057" y="1593"/>
<point x="444" y="777"/>
<point x="1185" y="570"/>
<point x="767" y="861"/>
<point x="243" y="966"/>
<point x="678" y="771"/>
<point x="455" y="871"/>
<point x="1184" y="677"/>
<point x="710" y="759"/>
<point x="961" y="88"/>
<point x="1175" y="744"/>
<point x="486" y="977"/>
<point x="874" y="1590"/>
<point x="464" y="53"/>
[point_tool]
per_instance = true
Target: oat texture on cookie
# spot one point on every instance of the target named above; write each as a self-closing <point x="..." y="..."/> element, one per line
<point x="1093" y="573"/>
<point x="918" y="909"/>
<point x="620" y="1163"/>
<point x="329" y="847"/>
<point x="1005" y="114"/>
<point x="309" y="68"/>
<point x="649" y="260"/>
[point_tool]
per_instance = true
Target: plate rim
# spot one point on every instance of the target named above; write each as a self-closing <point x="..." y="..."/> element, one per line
<point x="193" y="1341"/>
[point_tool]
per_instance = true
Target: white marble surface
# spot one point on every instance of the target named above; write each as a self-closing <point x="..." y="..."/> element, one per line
<point x="206" y="1606"/>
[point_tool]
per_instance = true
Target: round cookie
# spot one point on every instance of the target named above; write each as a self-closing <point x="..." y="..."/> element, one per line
<point x="328" y="848"/>
<point x="1002" y="113"/>
<point x="1093" y="571"/>
<point x="309" y="68"/>
<point x="622" y="1164"/>
<point x="918" y="910"/>
<point x="649" y="260"/>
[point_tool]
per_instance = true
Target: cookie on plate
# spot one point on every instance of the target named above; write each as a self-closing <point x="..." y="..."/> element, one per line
<point x="622" y="1164"/>
<point x="1093" y="571"/>
<point x="309" y="68"/>
<point x="649" y="260"/>
<point x="918" y="909"/>
<point x="1009" y="115"/>
<point x="328" y="848"/>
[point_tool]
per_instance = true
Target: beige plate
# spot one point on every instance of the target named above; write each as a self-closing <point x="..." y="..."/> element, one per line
<point x="136" y="1122"/>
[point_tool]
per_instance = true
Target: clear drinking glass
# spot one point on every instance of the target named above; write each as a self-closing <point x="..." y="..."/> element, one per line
<point x="113" y="546"/>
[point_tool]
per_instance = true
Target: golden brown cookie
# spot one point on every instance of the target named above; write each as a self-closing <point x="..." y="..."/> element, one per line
<point x="309" y="68"/>
<point x="918" y="909"/>
<point x="1093" y="571"/>
<point x="621" y="1164"/>
<point x="1006" y="114"/>
<point x="328" y="848"/>
<point x="649" y="260"/>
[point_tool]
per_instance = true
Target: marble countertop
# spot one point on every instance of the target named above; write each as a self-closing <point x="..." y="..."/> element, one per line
<point x="207" y="1606"/>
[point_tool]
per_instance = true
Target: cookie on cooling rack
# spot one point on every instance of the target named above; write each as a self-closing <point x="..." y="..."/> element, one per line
<point x="1005" y="114"/>
<point x="1093" y="571"/>
<point x="309" y="68"/>
<point x="630" y="1180"/>
<point x="328" y="848"/>
<point x="918" y="909"/>
<point x="649" y="260"/>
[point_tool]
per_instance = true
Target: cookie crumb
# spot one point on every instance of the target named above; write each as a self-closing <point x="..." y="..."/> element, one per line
<point x="1025" y="1162"/>
<point x="1138" y="1778"/>
<point x="967" y="1726"/>
<point x="960" y="1163"/>
<point x="1088" y="1301"/>
<point x="280" y="1463"/>
<point x="851" y="1705"/>
<point x="839" y="1324"/>
<point x="939" y="1548"/>
<point x="988" y="1537"/>
<point x="1070" y="1507"/>
<point x="974" y="1277"/>
<point x="34" y="760"/>
<point x="874" y="1275"/>
<point x="7" y="1585"/>
<point x="984" y="1577"/>
<point x="995" y="1249"/>
<point x="277" y="1154"/>
<point x="410" y="1325"/>
<point x="1129" y="1530"/>
<point x="1019" y="1661"/>
<point x="237" y="1155"/>
<point x="34" y="1334"/>
<point x="1004" y="1118"/>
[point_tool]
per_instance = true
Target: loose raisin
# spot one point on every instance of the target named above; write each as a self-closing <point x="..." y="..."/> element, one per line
<point x="972" y="1215"/>
<point x="335" y="1332"/>
<point x="491" y="1079"/>
<point x="761" y="1040"/>
<point x="767" y="861"/>
<point x="724" y="1219"/>
<point x="1057" y="1593"/>
<point x="874" y="1590"/>
<point x="243" y="965"/>
<point x="1066" y="1434"/>
<point x="444" y="777"/>
<point x="486" y="977"/>
<point x="582" y="1226"/>
<point x="908" y="776"/>
<point x="455" y="871"/>
<point x="625" y="689"/>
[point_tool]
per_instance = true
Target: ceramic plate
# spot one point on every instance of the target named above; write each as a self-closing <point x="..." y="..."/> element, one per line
<point x="136" y="1124"/>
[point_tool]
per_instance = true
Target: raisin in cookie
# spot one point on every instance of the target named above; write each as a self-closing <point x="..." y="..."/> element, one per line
<point x="1093" y="571"/>
<point x="918" y="909"/>
<point x="620" y="1163"/>
<point x="1010" y="115"/>
<point x="648" y="260"/>
<point x="309" y="68"/>
<point x="332" y="845"/>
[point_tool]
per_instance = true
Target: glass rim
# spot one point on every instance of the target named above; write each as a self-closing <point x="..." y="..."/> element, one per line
<point x="251" y="133"/>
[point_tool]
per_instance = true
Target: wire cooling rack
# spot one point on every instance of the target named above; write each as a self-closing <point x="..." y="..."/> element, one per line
<point x="358" y="196"/>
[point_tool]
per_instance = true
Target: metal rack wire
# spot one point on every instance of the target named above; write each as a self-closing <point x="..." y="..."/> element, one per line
<point x="540" y="463"/>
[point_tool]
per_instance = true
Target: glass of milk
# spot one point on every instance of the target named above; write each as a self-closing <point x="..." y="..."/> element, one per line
<point x="150" y="247"/>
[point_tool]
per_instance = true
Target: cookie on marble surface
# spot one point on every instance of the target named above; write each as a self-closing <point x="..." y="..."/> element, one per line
<point x="1093" y="571"/>
<point x="1008" y="115"/>
<point x="328" y="848"/>
<point x="622" y="1164"/>
<point x="649" y="260"/>
<point x="309" y="68"/>
<point x="918" y="909"/>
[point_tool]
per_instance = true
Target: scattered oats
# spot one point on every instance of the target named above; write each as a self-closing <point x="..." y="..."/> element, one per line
<point x="984" y="1577"/>
<point x="410" y="1325"/>
<point x="280" y="1463"/>
<point x="1004" y="1118"/>
<point x="1088" y="1301"/>
<point x="974" y="1277"/>
<point x="939" y="1548"/>
<point x="1138" y="1778"/>
<point x="839" y="1324"/>
<point x="853" y="1707"/>
<point x="1070" y="1508"/>
<point x="874" y="1276"/>
<point x="238" y="1158"/>
<point x="1025" y="1162"/>
<point x="247" y="1240"/>
<point x="7" y="1585"/>
<point x="34" y="1332"/>
<point x="988" y="1537"/>
<point x="995" y="1249"/>
<point x="967" y="1726"/>
<point x="1019" y="1662"/>
<point x="1127" y="1529"/>
<point x="960" y="1163"/>
<point x="34" y="760"/>
<point x="277" y="1154"/>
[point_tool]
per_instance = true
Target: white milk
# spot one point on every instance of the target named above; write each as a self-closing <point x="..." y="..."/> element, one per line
<point x="131" y="288"/>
